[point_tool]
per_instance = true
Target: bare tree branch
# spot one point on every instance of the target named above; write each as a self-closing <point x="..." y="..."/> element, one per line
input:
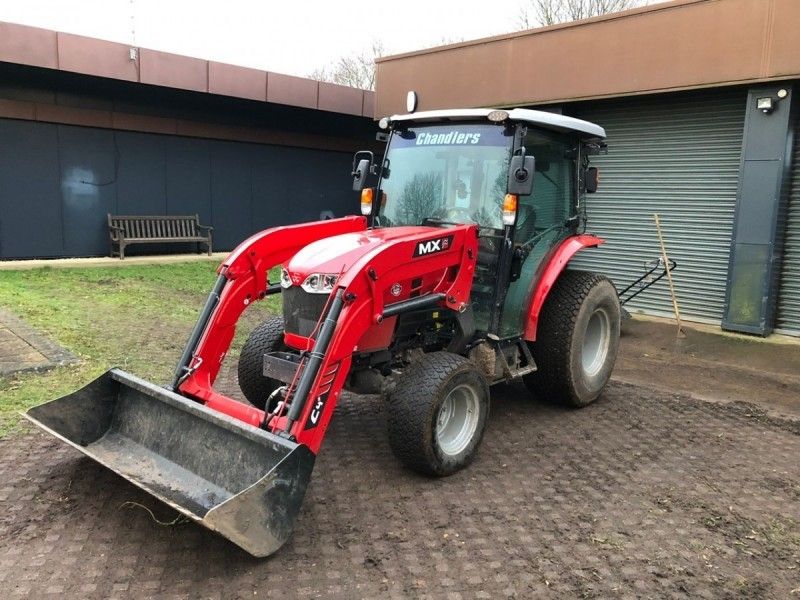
<point x="357" y="70"/>
<point x="539" y="13"/>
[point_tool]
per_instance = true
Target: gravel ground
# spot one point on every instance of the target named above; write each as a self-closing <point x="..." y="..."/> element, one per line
<point x="642" y="495"/>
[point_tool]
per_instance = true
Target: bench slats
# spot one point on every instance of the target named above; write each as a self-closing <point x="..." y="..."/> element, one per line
<point x="124" y="230"/>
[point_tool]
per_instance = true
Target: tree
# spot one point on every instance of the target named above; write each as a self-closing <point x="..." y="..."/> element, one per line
<point x="356" y="70"/>
<point x="421" y="196"/>
<point x="539" y="13"/>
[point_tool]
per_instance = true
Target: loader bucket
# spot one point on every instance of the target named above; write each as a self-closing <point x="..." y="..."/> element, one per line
<point x="242" y="482"/>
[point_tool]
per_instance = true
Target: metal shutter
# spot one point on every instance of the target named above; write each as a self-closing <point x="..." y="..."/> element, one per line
<point x="788" y="320"/>
<point x="678" y="156"/>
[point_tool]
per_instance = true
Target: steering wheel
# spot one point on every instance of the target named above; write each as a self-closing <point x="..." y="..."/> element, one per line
<point x="459" y="215"/>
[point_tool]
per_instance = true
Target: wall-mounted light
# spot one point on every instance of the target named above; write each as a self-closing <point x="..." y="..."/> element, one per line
<point x="765" y="104"/>
<point x="411" y="101"/>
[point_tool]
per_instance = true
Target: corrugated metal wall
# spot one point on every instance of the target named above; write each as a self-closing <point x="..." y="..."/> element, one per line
<point x="677" y="156"/>
<point x="788" y="318"/>
<point x="58" y="182"/>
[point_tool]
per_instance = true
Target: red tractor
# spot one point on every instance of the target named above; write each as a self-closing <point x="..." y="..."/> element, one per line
<point x="451" y="281"/>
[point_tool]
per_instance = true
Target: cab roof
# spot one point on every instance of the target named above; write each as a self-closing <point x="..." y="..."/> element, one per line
<point x="538" y="118"/>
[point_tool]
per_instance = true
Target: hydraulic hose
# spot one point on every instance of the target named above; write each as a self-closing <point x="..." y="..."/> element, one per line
<point x="316" y="356"/>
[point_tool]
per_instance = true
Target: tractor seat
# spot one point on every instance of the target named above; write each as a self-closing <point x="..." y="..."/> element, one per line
<point x="488" y="248"/>
<point x="488" y="252"/>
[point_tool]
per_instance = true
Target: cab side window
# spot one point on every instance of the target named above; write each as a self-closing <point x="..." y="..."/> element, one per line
<point x="552" y="200"/>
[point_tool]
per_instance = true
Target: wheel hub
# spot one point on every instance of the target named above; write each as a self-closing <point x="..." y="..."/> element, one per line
<point x="458" y="419"/>
<point x="596" y="342"/>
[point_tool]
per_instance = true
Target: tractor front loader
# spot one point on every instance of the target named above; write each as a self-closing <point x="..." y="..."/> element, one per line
<point x="452" y="280"/>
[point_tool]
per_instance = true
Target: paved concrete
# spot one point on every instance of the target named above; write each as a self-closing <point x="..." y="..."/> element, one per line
<point x="712" y="365"/>
<point x="648" y="493"/>
<point x="107" y="261"/>
<point x="22" y="348"/>
<point x="640" y="495"/>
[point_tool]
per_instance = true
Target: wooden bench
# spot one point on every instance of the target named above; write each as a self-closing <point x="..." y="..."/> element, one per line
<point x="141" y="229"/>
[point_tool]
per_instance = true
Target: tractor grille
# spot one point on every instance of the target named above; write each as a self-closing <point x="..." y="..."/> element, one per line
<point x="301" y="310"/>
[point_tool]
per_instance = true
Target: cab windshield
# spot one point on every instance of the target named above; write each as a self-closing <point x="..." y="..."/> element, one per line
<point x="446" y="174"/>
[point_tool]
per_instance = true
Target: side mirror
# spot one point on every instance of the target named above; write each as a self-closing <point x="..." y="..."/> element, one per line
<point x="361" y="168"/>
<point x="520" y="175"/>
<point x="359" y="174"/>
<point x="591" y="179"/>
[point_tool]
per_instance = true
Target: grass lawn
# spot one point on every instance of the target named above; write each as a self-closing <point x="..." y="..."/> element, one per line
<point x="134" y="317"/>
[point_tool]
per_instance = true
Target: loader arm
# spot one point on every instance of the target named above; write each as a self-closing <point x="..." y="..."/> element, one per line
<point x="243" y="279"/>
<point x="360" y="290"/>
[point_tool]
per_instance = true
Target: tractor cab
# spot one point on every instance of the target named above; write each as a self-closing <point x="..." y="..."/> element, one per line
<point x="517" y="175"/>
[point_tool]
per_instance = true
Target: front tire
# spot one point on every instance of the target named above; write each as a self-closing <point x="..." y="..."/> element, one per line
<point x="437" y="414"/>
<point x="267" y="337"/>
<point x="577" y="340"/>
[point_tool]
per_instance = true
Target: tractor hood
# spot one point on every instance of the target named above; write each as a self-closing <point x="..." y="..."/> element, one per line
<point x="334" y="255"/>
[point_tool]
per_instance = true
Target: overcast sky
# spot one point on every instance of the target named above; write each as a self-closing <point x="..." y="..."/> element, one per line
<point x="286" y="36"/>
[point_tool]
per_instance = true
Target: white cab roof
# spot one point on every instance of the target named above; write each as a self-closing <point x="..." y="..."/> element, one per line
<point x="538" y="118"/>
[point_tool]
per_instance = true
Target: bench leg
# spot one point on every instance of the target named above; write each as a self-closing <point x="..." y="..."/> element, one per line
<point x="122" y="251"/>
<point x="208" y="243"/>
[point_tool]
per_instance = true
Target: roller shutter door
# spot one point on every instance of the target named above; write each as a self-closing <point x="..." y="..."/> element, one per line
<point x="788" y="319"/>
<point x="678" y="156"/>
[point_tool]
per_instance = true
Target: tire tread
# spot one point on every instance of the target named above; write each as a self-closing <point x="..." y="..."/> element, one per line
<point x="409" y="413"/>
<point x="266" y="337"/>
<point x="552" y="379"/>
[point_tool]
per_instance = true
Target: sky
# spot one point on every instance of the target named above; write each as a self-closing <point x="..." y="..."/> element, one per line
<point x="287" y="36"/>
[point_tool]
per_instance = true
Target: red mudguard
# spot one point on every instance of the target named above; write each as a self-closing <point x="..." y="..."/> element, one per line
<point x="556" y="263"/>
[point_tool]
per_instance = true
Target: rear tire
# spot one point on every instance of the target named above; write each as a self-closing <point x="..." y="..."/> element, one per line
<point x="577" y="339"/>
<point x="437" y="414"/>
<point x="267" y="337"/>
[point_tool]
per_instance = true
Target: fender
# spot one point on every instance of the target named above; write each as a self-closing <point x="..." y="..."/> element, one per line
<point x="555" y="264"/>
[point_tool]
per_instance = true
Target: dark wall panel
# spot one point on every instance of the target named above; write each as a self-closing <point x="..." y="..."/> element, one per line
<point x="30" y="199"/>
<point x="188" y="177"/>
<point x="333" y="185"/>
<point x="274" y="202"/>
<point x="141" y="180"/>
<point x="58" y="182"/>
<point x="88" y="187"/>
<point x="230" y="193"/>
<point x="291" y="185"/>
<point x="329" y="188"/>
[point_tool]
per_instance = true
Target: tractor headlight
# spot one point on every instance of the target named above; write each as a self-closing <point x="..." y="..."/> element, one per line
<point x="286" y="280"/>
<point x="320" y="283"/>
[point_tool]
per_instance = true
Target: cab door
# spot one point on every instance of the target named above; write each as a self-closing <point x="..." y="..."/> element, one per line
<point x="543" y="218"/>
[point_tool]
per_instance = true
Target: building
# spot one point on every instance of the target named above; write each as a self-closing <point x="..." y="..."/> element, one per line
<point x="697" y="98"/>
<point x="90" y="127"/>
